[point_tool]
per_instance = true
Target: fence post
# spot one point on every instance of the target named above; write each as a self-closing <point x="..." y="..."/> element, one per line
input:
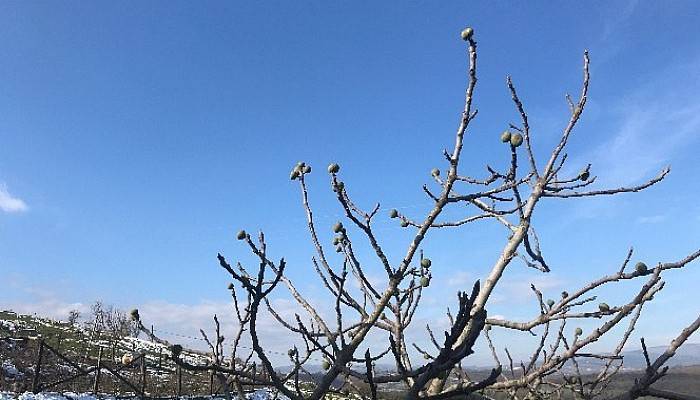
<point x="58" y="343"/>
<point x="98" y="371"/>
<point x="178" y="371"/>
<point x="143" y="375"/>
<point x="211" y="383"/>
<point x="37" y="367"/>
<point x="158" y="369"/>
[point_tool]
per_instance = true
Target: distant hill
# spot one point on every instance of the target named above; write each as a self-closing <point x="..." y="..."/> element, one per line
<point x="688" y="354"/>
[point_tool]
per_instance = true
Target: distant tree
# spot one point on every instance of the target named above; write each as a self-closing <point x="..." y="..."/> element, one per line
<point x="96" y="322"/>
<point x="111" y="320"/>
<point x="73" y="317"/>
<point x="508" y="196"/>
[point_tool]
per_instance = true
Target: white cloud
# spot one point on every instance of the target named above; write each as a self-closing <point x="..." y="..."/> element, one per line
<point x="9" y="203"/>
<point x="616" y="20"/>
<point x="657" y="121"/>
<point x="651" y="126"/>
<point x="651" y="219"/>
<point x="461" y="278"/>
<point x="516" y="289"/>
<point x="377" y="281"/>
<point x="49" y="308"/>
<point x="647" y="138"/>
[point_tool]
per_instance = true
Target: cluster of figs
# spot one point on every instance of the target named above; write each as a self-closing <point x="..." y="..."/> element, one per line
<point x="302" y="168"/>
<point x="394" y="213"/>
<point x="515" y="139"/>
<point x="425" y="279"/>
<point x="338" y="240"/>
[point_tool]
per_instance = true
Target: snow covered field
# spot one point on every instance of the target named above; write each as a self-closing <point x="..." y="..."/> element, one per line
<point x="47" y="396"/>
<point x="257" y="395"/>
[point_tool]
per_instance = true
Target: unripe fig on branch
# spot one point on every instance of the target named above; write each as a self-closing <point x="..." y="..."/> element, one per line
<point x="467" y="33"/>
<point x="516" y="140"/>
<point x="505" y="137"/>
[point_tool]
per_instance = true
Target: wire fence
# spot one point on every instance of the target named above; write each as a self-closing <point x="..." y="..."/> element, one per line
<point x="95" y="368"/>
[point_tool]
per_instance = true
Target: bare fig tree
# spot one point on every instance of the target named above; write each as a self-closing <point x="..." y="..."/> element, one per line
<point x="508" y="195"/>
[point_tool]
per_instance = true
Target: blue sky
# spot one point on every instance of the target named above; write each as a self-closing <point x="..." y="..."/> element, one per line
<point x="137" y="138"/>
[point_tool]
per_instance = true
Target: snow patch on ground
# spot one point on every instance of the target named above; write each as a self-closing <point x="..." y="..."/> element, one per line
<point x="9" y="370"/>
<point x="257" y="395"/>
<point x="49" y="396"/>
<point x="8" y="325"/>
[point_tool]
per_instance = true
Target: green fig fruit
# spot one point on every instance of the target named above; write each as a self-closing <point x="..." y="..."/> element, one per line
<point x="435" y="172"/>
<point x="333" y="168"/>
<point x="604" y="307"/>
<point x="326" y="365"/>
<point x="584" y="175"/>
<point x="426" y="356"/>
<point x="338" y="249"/>
<point x="135" y="314"/>
<point x="338" y="227"/>
<point x="394" y="213"/>
<point x="294" y="175"/>
<point x="336" y="241"/>
<point x="307" y="169"/>
<point x="505" y="137"/>
<point x="467" y="33"/>
<point x="641" y="267"/>
<point x="516" y="140"/>
<point x="564" y="294"/>
<point x="291" y="352"/>
<point x="230" y="286"/>
<point x="578" y="331"/>
<point x="426" y="263"/>
<point x="404" y="223"/>
<point x="241" y="235"/>
<point x="425" y="281"/>
<point x="550" y="302"/>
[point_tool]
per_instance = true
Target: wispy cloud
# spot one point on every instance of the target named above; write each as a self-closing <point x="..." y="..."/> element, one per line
<point x="49" y="308"/>
<point x="654" y="124"/>
<point x="658" y="122"/>
<point x="516" y="289"/>
<point x="648" y="137"/>
<point x="460" y="279"/>
<point x="10" y="203"/>
<point x="618" y="19"/>
<point x="651" y="219"/>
